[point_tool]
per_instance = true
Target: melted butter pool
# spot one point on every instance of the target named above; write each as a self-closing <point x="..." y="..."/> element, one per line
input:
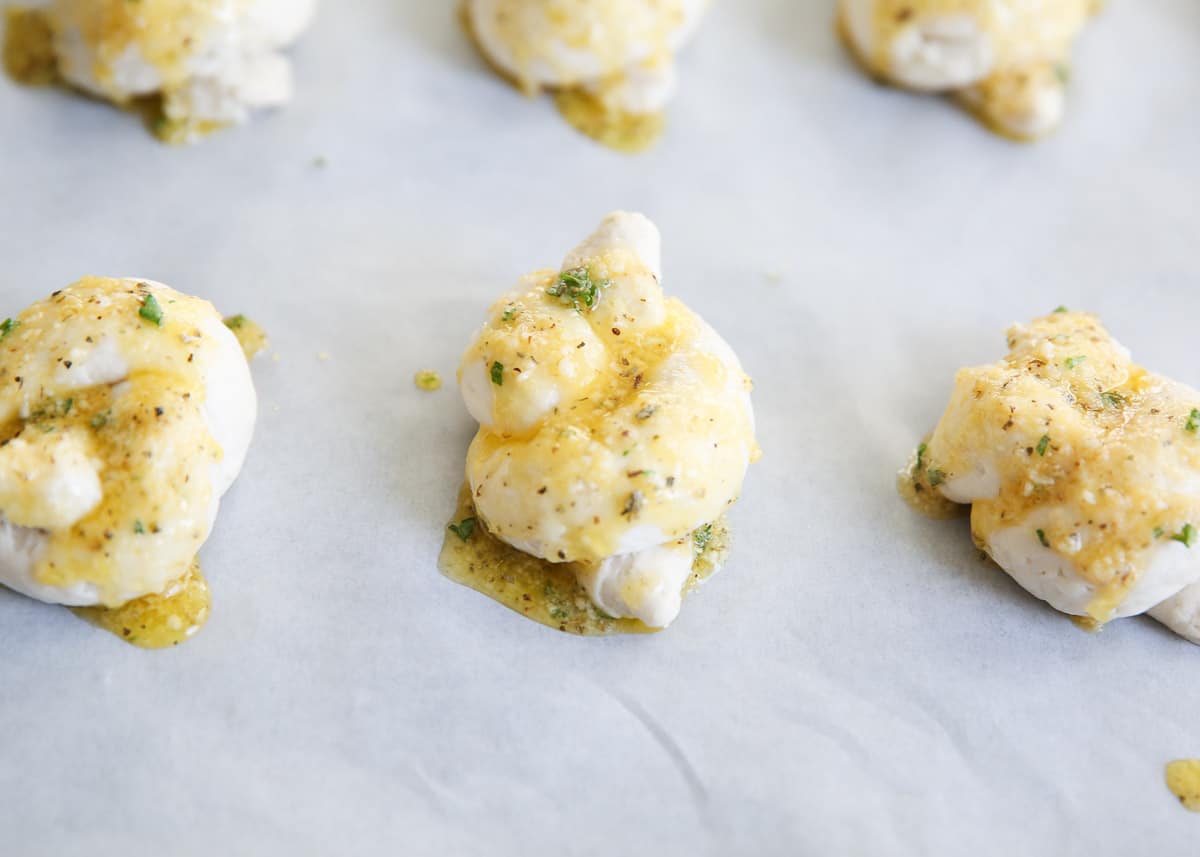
<point x="547" y="592"/>
<point x="29" y="47"/>
<point x="157" y="621"/>
<point x="617" y="129"/>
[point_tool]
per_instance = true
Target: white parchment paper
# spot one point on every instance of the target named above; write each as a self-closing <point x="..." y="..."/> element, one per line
<point x="857" y="682"/>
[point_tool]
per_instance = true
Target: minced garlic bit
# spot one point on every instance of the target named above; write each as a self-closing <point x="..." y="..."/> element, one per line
<point x="428" y="380"/>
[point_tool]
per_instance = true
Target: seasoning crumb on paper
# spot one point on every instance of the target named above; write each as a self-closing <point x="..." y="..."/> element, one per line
<point x="428" y="380"/>
<point x="322" y="356"/>
<point x="773" y="276"/>
<point x="1183" y="779"/>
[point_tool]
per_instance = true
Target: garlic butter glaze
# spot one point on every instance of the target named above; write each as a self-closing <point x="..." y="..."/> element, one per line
<point x="1008" y="61"/>
<point x="611" y="63"/>
<point x="614" y="422"/>
<point x="194" y="65"/>
<point x="1082" y="470"/>
<point x="126" y="411"/>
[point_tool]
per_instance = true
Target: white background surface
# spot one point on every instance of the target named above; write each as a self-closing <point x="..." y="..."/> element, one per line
<point x="856" y="682"/>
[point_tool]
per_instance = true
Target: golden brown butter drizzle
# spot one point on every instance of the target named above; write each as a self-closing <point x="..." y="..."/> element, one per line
<point x="157" y="621"/>
<point x="546" y="592"/>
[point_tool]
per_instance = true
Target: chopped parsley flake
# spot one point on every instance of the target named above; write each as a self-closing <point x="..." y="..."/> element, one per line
<point x="1072" y="362"/>
<point x="1193" y="422"/>
<point x="702" y="537"/>
<point x="498" y="374"/>
<point x="235" y="322"/>
<point x="151" y="310"/>
<point x="1063" y="72"/>
<point x="921" y="450"/>
<point x="1041" y="534"/>
<point x="1043" y="444"/>
<point x="139" y="528"/>
<point x="646" y="412"/>
<point x="510" y="312"/>
<point x="1061" y="308"/>
<point x="1112" y="399"/>
<point x="1158" y="532"/>
<point x="464" y="528"/>
<point x="8" y="326"/>
<point x="936" y="477"/>
<point x="100" y="420"/>
<point x="1186" y="536"/>
<point x="577" y="288"/>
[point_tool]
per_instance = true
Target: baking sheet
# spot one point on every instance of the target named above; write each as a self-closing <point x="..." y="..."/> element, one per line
<point x="856" y="682"/>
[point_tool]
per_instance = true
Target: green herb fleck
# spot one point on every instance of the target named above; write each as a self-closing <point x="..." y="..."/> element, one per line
<point x="100" y="420"/>
<point x="1193" y="422"/>
<point x="646" y="412"/>
<point x="8" y="326"/>
<point x="1063" y="72"/>
<point x="67" y="405"/>
<point x="235" y="322"/>
<point x="921" y="450"/>
<point x="1061" y="308"/>
<point x="498" y="374"/>
<point x="1041" y="534"/>
<point x="702" y="537"/>
<point x="139" y="528"/>
<point x="1158" y="532"/>
<point x="936" y="477"/>
<point x="151" y="311"/>
<point x="510" y="312"/>
<point x="1112" y="399"/>
<point x="1043" y="444"/>
<point x="577" y="288"/>
<point x="1072" y="362"/>
<point x="1186" y="536"/>
<point x="464" y="528"/>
